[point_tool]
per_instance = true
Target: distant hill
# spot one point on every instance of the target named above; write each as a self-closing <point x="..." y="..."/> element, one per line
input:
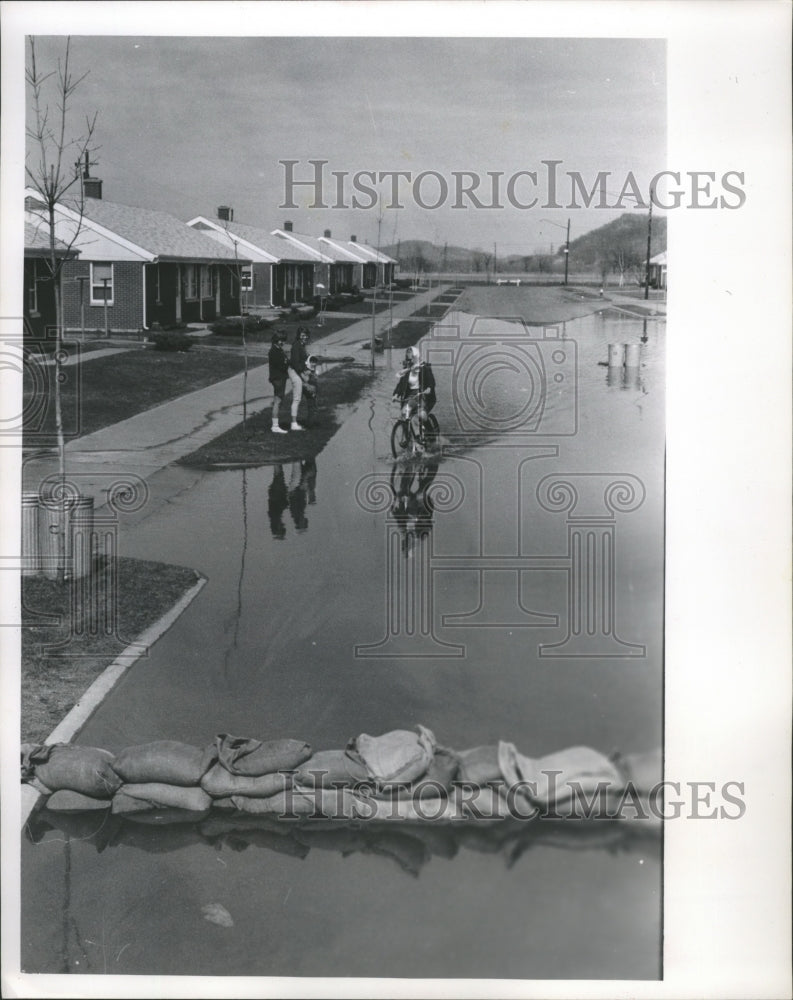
<point x="621" y="243"/>
<point x="619" y="246"/>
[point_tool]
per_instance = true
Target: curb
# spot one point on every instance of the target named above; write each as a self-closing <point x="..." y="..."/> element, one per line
<point x="86" y="705"/>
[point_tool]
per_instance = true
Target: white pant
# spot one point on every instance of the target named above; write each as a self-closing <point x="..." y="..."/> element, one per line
<point x="297" y="391"/>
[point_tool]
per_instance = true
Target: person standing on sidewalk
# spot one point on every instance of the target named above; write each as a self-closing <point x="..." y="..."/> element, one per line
<point x="279" y="373"/>
<point x="298" y="371"/>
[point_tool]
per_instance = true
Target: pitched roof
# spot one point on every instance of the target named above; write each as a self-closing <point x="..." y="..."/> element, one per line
<point x="270" y="245"/>
<point x="660" y="258"/>
<point x="37" y="241"/>
<point x="161" y="234"/>
<point x="370" y="254"/>
<point x="328" y="252"/>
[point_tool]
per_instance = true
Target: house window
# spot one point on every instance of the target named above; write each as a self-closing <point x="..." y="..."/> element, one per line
<point x="191" y="282"/>
<point x="101" y="284"/>
<point x="206" y="282"/>
<point x="246" y="278"/>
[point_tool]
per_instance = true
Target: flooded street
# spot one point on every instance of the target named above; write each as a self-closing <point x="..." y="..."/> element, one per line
<point x="510" y="588"/>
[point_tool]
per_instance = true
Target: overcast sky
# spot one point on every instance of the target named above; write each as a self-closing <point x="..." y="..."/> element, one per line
<point x="187" y="124"/>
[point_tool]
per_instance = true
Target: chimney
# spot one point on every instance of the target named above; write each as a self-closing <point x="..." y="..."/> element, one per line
<point x="225" y="214"/>
<point x="326" y="234"/>
<point x="92" y="187"/>
<point x="353" y="239"/>
<point x="287" y="227"/>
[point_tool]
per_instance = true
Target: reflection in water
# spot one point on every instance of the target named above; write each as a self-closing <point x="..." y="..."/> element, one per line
<point x="412" y="508"/>
<point x="410" y="845"/>
<point x="237" y="614"/>
<point x="302" y="490"/>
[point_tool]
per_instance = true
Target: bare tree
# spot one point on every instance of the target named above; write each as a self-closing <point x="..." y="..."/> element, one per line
<point x="53" y="172"/>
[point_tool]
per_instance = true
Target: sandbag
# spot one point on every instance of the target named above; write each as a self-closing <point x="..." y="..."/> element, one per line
<point x="167" y="816"/>
<point x="67" y="801"/>
<point x="252" y="758"/>
<point x="643" y="770"/>
<point x="167" y="761"/>
<point x="398" y="756"/>
<point x="338" y="803"/>
<point x="79" y="769"/>
<point x="153" y="795"/>
<point x="408" y="810"/>
<point x="332" y="767"/>
<point x="437" y="781"/>
<point x="220" y="783"/>
<point x="552" y="778"/>
<point x="479" y="765"/>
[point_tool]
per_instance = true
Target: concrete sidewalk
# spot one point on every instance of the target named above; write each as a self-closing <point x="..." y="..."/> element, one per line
<point x="150" y="441"/>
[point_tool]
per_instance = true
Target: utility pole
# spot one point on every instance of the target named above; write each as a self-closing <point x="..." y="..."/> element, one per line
<point x="567" y="253"/>
<point x="649" y="237"/>
<point x="374" y="290"/>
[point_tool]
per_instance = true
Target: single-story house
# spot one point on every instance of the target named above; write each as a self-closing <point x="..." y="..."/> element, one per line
<point x="38" y="303"/>
<point x="378" y="267"/>
<point x="335" y="267"/>
<point x="280" y="273"/>
<point x="139" y="268"/>
<point x="658" y="270"/>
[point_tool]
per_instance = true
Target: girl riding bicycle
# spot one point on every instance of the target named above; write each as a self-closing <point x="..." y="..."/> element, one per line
<point x="415" y="390"/>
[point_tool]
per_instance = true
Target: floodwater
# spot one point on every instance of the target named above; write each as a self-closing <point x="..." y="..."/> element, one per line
<point x="473" y="592"/>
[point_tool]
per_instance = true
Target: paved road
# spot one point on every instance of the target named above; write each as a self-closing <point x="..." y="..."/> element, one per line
<point x="152" y="440"/>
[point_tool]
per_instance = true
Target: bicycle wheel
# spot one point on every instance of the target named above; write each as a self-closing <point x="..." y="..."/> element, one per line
<point x="432" y="432"/>
<point x="400" y="437"/>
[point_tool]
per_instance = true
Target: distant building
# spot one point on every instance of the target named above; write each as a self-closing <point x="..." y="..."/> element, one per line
<point x="336" y="267"/>
<point x="658" y="270"/>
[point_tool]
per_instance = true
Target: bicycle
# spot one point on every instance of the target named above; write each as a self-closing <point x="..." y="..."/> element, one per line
<point x="405" y="439"/>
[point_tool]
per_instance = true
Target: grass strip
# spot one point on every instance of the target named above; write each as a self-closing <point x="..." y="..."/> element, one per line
<point x="60" y="661"/>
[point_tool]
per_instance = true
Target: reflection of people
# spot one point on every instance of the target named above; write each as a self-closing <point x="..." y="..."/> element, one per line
<point x="277" y="501"/>
<point x="302" y="484"/>
<point x="279" y="373"/>
<point x="298" y="368"/>
<point x="415" y="389"/>
<point x="412" y="508"/>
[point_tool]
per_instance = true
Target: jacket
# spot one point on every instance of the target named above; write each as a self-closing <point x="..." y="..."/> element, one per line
<point x="426" y="381"/>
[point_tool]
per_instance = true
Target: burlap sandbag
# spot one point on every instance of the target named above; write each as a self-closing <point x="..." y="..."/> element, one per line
<point x="332" y="767"/>
<point x="398" y="756"/>
<point x="252" y="758"/>
<point x="167" y="761"/>
<point x="220" y="783"/>
<point x="79" y="769"/>
<point x="155" y="795"/>
<point x="67" y="801"/>
<point x="479" y="765"/>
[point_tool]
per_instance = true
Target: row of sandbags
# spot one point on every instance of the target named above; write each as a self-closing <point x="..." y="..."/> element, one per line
<point x="402" y="774"/>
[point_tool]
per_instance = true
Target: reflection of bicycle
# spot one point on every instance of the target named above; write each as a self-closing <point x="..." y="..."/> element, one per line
<point x="404" y="439"/>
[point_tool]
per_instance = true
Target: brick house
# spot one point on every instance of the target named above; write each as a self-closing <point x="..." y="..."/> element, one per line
<point x="38" y="302"/>
<point x="280" y="273"/>
<point x="378" y="267"/>
<point x="138" y="268"/>
<point x="336" y="267"/>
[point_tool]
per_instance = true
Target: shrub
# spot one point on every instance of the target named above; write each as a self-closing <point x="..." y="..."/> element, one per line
<point x="171" y="342"/>
<point x="231" y="326"/>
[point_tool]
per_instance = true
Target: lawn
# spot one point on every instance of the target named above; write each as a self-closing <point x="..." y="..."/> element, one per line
<point x="257" y="445"/>
<point x="53" y="680"/>
<point x="105" y="390"/>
